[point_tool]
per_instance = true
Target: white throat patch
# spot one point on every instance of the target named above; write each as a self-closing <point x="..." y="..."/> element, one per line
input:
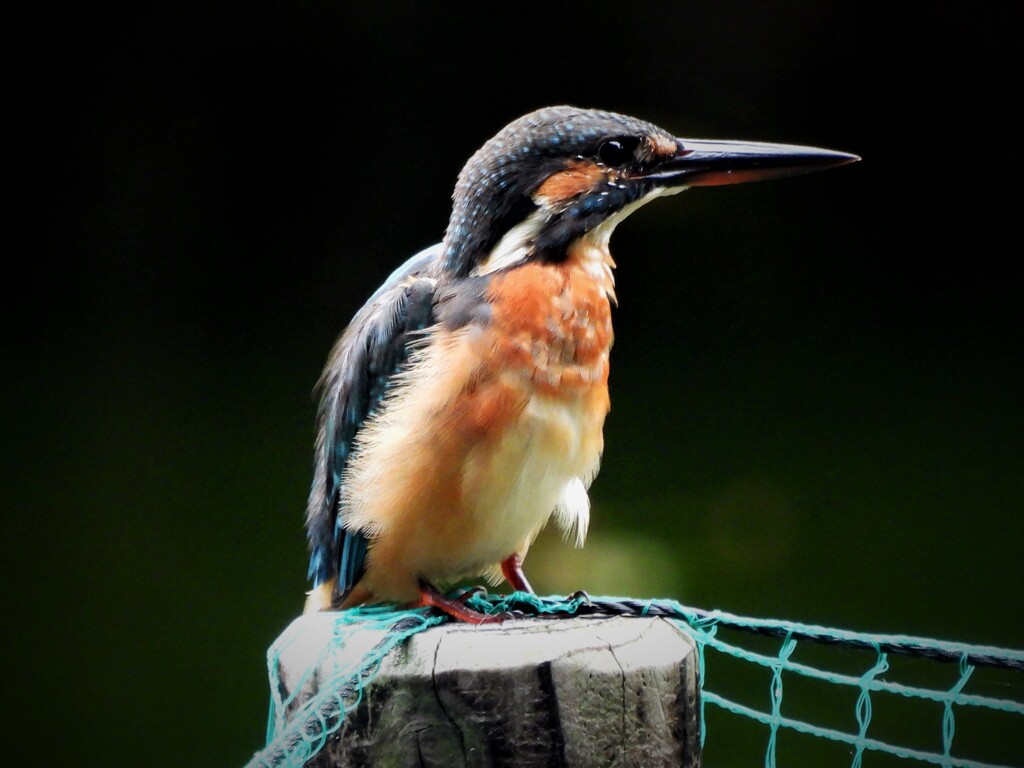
<point x="517" y="244"/>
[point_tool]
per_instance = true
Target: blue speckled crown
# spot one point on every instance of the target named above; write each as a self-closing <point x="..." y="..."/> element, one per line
<point x="494" y="188"/>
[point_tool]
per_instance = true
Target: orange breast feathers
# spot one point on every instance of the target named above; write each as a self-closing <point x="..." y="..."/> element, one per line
<point x="552" y="323"/>
<point x="491" y="430"/>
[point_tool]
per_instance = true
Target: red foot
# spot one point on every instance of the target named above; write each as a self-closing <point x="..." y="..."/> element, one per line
<point x="512" y="569"/>
<point x="430" y="596"/>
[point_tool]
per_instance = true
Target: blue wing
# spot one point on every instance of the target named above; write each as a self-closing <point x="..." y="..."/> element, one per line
<point x="358" y="373"/>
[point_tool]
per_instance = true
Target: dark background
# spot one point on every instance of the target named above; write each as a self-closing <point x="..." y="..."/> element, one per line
<point x="816" y="384"/>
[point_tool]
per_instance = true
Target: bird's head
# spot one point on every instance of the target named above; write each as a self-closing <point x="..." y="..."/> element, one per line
<point x="562" y="173"/>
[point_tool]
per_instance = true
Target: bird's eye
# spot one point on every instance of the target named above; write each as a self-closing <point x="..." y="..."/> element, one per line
<point x="616" y="152"/>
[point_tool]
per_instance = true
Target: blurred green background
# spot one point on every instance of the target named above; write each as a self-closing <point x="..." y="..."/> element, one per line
<point x="816" y="383"/>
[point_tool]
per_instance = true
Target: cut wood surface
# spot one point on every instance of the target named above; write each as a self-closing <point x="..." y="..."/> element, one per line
<point x="573" y="692"/>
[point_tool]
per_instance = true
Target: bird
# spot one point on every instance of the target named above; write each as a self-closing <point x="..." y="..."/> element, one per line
<point x="463" y="406"/>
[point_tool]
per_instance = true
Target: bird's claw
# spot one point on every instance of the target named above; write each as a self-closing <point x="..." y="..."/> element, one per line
<point x="470" y="593"/>
<point x="580" y="596"/>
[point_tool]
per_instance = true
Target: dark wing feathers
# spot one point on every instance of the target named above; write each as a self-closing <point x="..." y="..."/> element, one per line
<point x="358" y="374"/>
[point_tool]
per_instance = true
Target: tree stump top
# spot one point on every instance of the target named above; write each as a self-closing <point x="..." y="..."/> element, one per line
<point x="539" y="692"/>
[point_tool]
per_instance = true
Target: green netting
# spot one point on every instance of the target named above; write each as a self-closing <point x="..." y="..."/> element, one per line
<point x="298" y="729"/>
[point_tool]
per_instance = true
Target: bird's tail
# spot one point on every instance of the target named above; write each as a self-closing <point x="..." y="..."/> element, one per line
<point x="320" y="597"/>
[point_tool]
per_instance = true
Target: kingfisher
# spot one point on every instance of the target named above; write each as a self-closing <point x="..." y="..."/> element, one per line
<point x="463" y="406"/>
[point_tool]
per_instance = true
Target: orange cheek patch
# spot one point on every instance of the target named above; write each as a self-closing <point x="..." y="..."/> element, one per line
<point x="577" y="178"/>
<point x="662" y="147"/>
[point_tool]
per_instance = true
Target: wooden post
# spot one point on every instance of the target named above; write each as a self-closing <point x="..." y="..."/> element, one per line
<point x="525" y="694"/>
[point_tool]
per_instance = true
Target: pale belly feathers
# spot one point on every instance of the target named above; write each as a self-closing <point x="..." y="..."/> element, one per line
<point x="490" y="432"/>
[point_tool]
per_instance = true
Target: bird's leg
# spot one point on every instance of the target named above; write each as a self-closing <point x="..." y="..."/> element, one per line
<point x="430" y="596"/>
<point x="512" y="569"/>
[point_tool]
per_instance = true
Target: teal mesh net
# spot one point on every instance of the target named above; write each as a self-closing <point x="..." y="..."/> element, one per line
<point x="823" y="671"/>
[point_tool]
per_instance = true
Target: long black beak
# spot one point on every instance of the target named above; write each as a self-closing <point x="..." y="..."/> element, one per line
<point x="699" y="163"/>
